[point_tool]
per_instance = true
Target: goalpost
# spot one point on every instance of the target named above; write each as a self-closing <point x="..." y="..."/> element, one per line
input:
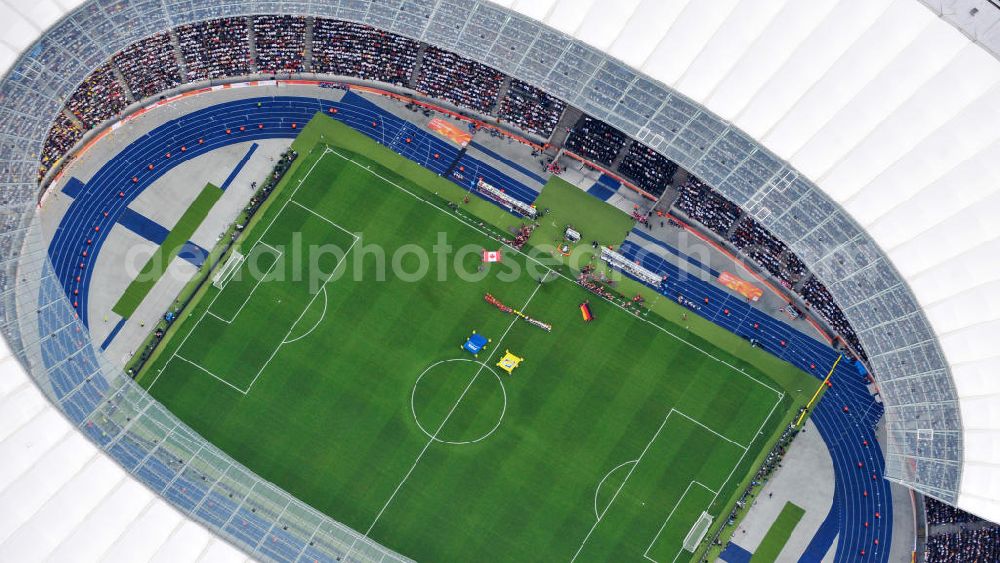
<point x="228" y="269"/>
<point x="698" y="532"/>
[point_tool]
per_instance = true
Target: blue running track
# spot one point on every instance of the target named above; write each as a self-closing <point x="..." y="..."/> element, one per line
<point x="861" y="497"/>
<point x="103" y="201"/>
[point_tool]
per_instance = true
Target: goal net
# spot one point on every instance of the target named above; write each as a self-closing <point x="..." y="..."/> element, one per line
<point x="697" y="532"/>
<point x="228" y="270"/>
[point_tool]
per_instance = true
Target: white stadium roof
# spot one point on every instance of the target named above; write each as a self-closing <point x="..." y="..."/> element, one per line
<point x="63" y="499"/>
<point x="890" y="107"/>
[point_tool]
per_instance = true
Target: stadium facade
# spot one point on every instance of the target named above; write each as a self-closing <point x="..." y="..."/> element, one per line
<point x="862" y="133"/>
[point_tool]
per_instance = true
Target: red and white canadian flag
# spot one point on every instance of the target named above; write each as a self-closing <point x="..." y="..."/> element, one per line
<point x="490" y="256"/>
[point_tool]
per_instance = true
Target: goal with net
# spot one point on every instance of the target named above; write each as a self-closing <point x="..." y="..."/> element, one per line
<point x="228" y="270"/>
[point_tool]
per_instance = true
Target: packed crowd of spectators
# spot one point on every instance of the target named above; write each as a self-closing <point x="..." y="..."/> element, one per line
<point x="62" y="136"/>
<point x="965" y="546"/>
<point x="100" y="97"/>
<point x="723" y="217"/>
<point x="758" y="244"/>
<point x="350" y="49"/>
<point x="818" y="297"/>
<point x="281" y="43"/>
<point x="649" y="169"/>
<point x="216" y="48"/>
<point x="459" y="80"/>
<point x="531" y="109"/>
<point x="149" y="66"/>
<point x="941" y="513"/>
<point x="596" y="140"/>
<point x="957" y="536"/>
<point x="701" y="203"/>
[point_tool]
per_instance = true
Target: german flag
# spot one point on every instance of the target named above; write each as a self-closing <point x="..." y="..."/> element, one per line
<point x="585" y="311"/>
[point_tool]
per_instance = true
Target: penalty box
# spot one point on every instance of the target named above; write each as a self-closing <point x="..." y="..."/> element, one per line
<point x="260" y="306"/>
<point x="650" y="511"/>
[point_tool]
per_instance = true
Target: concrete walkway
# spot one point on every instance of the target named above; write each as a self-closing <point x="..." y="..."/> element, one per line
<point x="805" y="478"/>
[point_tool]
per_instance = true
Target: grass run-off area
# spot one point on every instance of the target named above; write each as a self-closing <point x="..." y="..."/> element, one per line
<point x="347" y="387"/>
<point x="156" y="266"/>
<point x="777" y="535"/>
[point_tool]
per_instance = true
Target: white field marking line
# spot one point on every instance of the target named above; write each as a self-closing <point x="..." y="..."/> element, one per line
<point x="433" y="439"/>
<point x="323" y="218"/>
<point x="256" y="285"/>
<point x="336" y="269"/>
<point x="259" y="239"/>
<point x="669" y="516"/>
<point x="597" y="492"/>
<point x="229" y="270"/>
<point x="413" y="407"/>
<point x="195" y="364"/>
<point x="699" y="423"/>
<point x="326" y="301"/>
<point x="536" y="261"/>
<point x="600" y="516"/>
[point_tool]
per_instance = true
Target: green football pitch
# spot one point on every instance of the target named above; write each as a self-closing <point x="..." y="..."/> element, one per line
<point x="330" y="363"/>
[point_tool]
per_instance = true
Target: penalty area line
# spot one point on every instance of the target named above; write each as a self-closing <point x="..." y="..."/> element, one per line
<point x="476" y="228"/>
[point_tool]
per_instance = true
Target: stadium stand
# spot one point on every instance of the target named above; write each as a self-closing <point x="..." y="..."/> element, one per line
<point x="756" y="243"/>
<point x="85" y="226"/>
<point x="360" y="51"/>
<point x="650" y="170"/>
<point x="939" y="513"/>
<point x="220" y="48"/>
<point x="99" y="98"/>
<point x="955" y="536"/>
<point x="965" y="545"/>
<point x="149" y="66"/>
<point x="596" y="140"/>
<point x="461" y="81"/>
<point x="216" y="48"/>
<point x="846" y="416"/>
<point x="531" y="109"/>
<point x="280" y="42"/>
<point x="817" y="296"/>
<point x="707" y="207"/>
<point x="62" y="136"/>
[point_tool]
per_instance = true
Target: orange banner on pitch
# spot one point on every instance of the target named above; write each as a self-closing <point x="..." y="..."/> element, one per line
<point x="743" y="287"/>
<point x="455" y="134"/>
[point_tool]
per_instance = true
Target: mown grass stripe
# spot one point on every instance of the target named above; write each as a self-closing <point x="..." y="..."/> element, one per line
<point x="779" y="533"/>
<point x="172" y="245"/>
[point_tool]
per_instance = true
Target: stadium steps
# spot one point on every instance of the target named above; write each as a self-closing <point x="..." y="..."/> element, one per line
<point x="124" y="83"/>
<point x="561" y="133"/>
<point x="307" y="55"/>
<point x="454" y="164"/>
<point x="622" y="154"/>
<point x="736" y="224"/>
<point x="669" y="198"/>
<point x="76" y="120"/>
<point x="252" y="40"/>
<point x="802" y="282"/>
<point x="415" y="77"/>
<point x="504" y="90"/>
<point x="178" y="53"/>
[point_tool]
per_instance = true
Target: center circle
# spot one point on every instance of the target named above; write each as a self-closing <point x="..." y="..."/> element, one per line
<point x="458" y="401"/>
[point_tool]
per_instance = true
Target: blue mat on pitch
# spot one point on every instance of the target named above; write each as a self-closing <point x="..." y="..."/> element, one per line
<point x="239" y="166"/>
<point x="74" y="188"/>
<point x="114" y="332"/>
<point x="735" y="554"/>
<point x="601" y="192"/>
<point x="508" y="162"/>
<point x="669" y="248"/>
<point x="143" y="226"/>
